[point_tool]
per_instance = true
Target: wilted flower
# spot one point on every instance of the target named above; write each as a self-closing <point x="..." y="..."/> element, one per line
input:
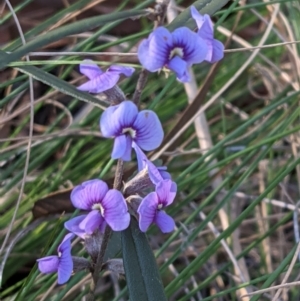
<point x="206" y="32"/>
<point x="176" y="51"/>
<point x="150" y="210"/>
<point x="100" y="81"/>
<point x="156" y="174"/>
<point x="105" y="206"/>
<point x="62" y="264"/>
<point x="126" y="124"/>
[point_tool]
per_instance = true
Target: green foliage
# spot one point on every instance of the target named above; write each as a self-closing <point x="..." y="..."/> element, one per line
<point x="248" y="130"/>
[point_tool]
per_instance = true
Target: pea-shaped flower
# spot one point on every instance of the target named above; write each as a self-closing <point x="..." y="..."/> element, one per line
<point x="100" y="81"/>
<point x="105" y="206"/>
<point x="61" y="264"/>
<point x="126" y="124"/>
<point x="206" y="32"/>
<point x="150" y="210"/>
<point x="176" y="51"/>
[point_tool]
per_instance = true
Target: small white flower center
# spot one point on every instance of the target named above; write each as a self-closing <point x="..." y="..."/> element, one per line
<point x="130" y="131"/>
<point x="159" y="206"/>
<point x="176" y="51"/>
<point x="98" y="207"/>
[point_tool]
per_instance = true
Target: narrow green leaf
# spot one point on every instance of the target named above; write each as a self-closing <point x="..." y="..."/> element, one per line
<point x="64" y="31"/>
<point x="204" y="6"/>
<point x="142" y="275"/>
<point x="57" y="83"/>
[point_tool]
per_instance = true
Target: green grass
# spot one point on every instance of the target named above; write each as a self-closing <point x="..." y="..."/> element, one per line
<point x="192" y="260"/>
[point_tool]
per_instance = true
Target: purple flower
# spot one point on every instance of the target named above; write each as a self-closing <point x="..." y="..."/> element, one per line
<point x="124" y="123"/>
<point x="150" y="207"/>
<point x="62" y="264"/>
<point x="100" y="81"/>
<point x="105" y="206"/>
<point x="177" y="51"/>
<point x="206" y="32"/>
<point x="156" y="174"/>
<point x="77" y="225"/>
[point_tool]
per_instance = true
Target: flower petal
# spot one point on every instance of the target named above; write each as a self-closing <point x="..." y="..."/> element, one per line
<point x="127" y="71"/>
<point x="194" y="47"/>
<point x="122" y="148"/>
<point x="73" y="226"/>
<point x="153" y="53"/>
<point x="166" y="192"/>
<point x="180" y="67"/>
<point x="204" y="24"/>
<point x="147" y="211"/>
<point x="65" y="245"/>
<point x="119" y="148"/>
<point x="101" y="83"/>
<point x="164" y="221"/>
<point x="149" y="131"/>
<point x="65" y="267"/>
<point x="115" y="210"/>
<point x="218" y="51"/>
<point x="114" y="119"/>
<point x="87" y="194"/>
<point x="48" y="264"/>
<point x="92" y="222"/>
<point x="140" y="156"/>
<point x="89" y="69"/>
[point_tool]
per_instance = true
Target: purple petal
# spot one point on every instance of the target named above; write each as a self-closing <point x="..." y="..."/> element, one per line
<point x="102" y="82"/>
<point x="65" y="245"/>
<point x="115" y="210"/>
<point x="87" y="194"/>
<point x="65" y="267"/>
<point x="164" y="221"/>
<point x="180" y="67"/>
<point x="163" y="172"/>
<point x="194" y="47"/>
<point x="153" y="53"/>
<point x="140" y="156"/>
<point x="73" y="225"/>
<point x="48" y="264"/>
<point x="122" y="148"/>
<point x="89" y="69"/>
<point x="218" y="51"/>
<point x="166" y="191"/>
<point x="92" y="222"/>
<point x="147" y="211"/>
<point x="127" y="71"/>
<point x="119" y="148"/>
<point x="204" y="24"/>
<point x="149" y="132"/>
<point x="154" y="174"/>
<point x="116" y="118"/>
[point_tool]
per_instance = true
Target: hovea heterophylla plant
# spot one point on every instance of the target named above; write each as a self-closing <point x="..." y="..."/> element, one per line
<point x="110" y="209"/>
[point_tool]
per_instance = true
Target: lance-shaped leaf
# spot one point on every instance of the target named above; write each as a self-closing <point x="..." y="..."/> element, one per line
<point x="141" y="271"/>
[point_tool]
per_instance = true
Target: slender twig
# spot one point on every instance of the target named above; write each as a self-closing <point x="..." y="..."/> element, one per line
<point x="140" y="86"/>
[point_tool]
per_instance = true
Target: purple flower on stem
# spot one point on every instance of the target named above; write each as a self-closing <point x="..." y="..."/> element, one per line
<point x="150" y="207"/>
<point x="177" y="51"/>
<point x="77" y="224"/>
<point x="126" y="124"/>
<point x="100" y="81"/>
<point x="206" y="32"/>
<point x="105" y="206"/>
<point x="62" y="264"/>
<point x="156" y="174"/>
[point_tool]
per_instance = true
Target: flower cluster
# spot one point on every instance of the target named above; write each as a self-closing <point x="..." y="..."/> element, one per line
<point x="135" y="130"/>
<point x="181" y="48"/>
